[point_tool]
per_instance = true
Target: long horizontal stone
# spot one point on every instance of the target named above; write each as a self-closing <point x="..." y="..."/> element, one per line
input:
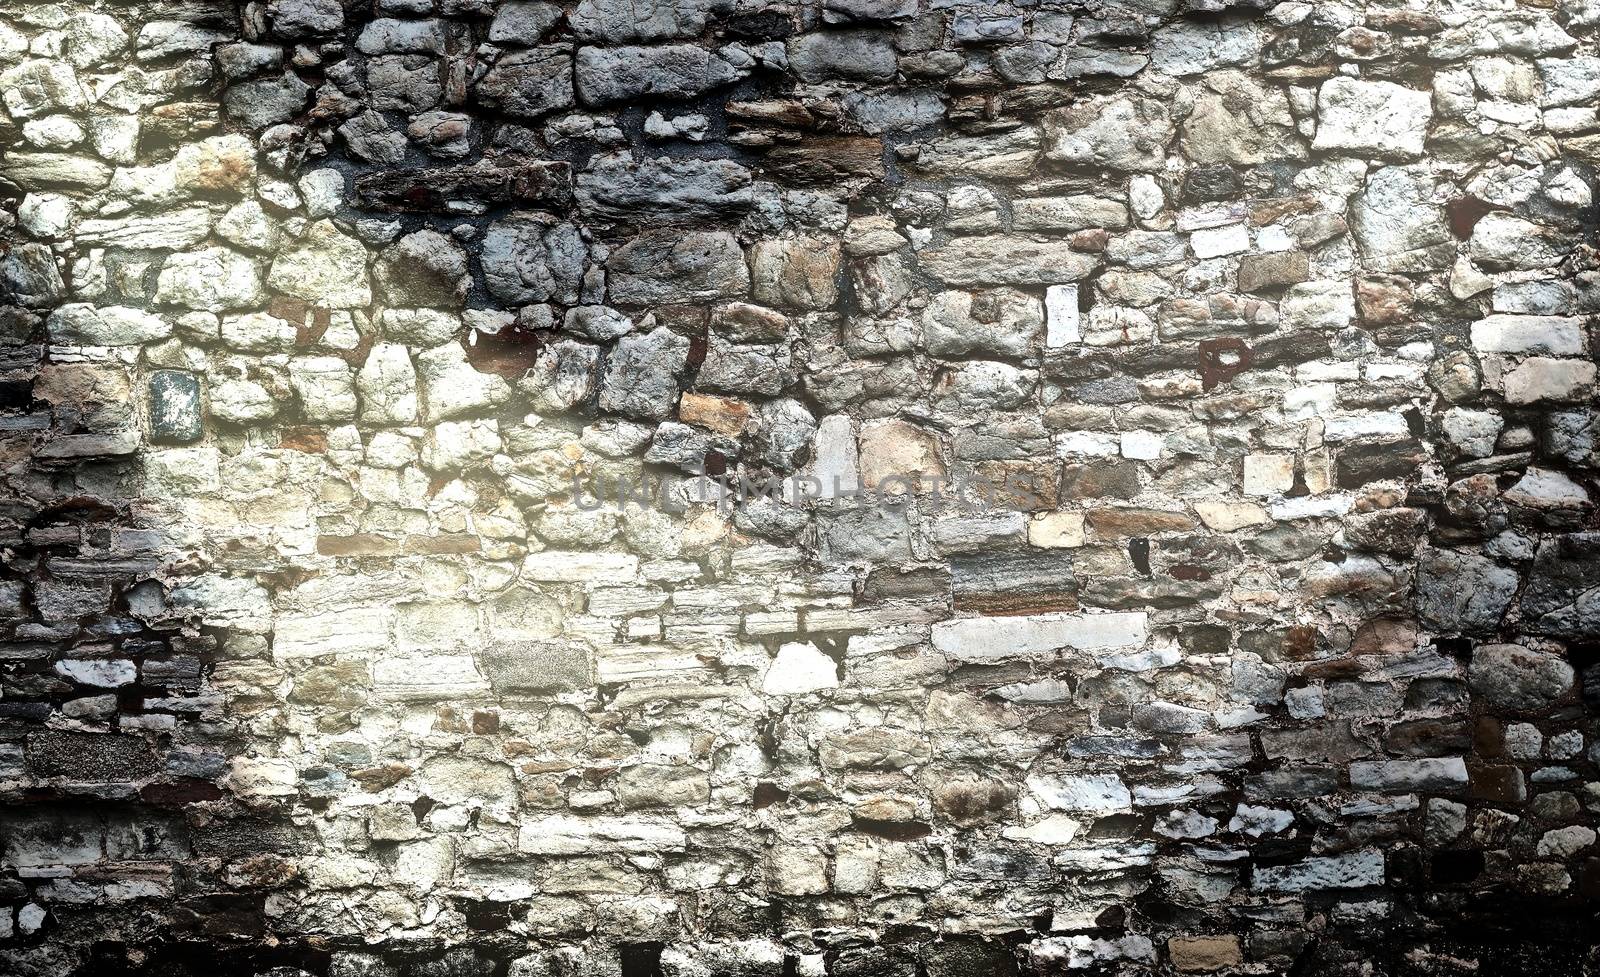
<point x="1003" y="259"/>
<point x="362" y="630"/>
<point x="173" y="231"/>
<point x="1350" y="871"/>
<point x="561" y="566"/>
<point x="626" y="663"/>
<point x="562" y="834"/>
<point x="428" y="678"/>
<point x="1096" y="793"/>
<point x="988" y="638"/>
<point x="40" y="171"/>
<point x="1550" y="334"/>
<point x="1428" y="773"/>
<point x="88" y="445"/>
<point x="442" y="190"/>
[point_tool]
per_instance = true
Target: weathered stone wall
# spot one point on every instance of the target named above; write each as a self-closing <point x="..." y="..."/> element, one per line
<point x="1277" y="649"/>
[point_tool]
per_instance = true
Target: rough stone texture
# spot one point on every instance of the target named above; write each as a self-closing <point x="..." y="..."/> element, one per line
<point x="1189" y="567"/>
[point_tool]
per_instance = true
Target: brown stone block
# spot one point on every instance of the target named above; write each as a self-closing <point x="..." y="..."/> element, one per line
<point x="360" y="544"/>
<point x="1205" y="953"/>
<point x="724" y="415"/>
<point x="1137" y="522"/>
<point x="1496" y="782"/>
<point x="439" y="545"/>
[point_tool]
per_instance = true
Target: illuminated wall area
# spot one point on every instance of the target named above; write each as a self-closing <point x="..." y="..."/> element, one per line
<point x="832" y="488"/>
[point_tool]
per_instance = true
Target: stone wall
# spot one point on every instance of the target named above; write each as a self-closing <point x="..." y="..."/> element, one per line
<point x="1205" y="575"/>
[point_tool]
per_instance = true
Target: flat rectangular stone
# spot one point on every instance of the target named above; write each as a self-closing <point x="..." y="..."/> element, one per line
<point x="1005" y="259"/>
<point x="428" y="678"/>
<point x="820" y="619"/>
<point x="35" y="839"/>
<point x="989" y="638"/>
<point x="175" y="230"/>
<point x="44" y="171"/>
<point x="1542" y="378"/>
<point x="1430" y="773"/>
<point x="826" y="160"/>
<point x="1364" y="424"/>
<point x="563" y="566"/>
<point x="1010" y="582"/>
<point x="536" y="666"/>
<point x="1061" y="316"/>
<point x="1355" y="870"/>
<point x="1096" y="793"/>
<point x="627" y="663"/>
<point x="1549" y="334"/>
<point x="441" y="190"/>
<point x="89" y="445"/>
<point x="357" y="631"/>
<point x="563" y="834"/>
<point x="771" y="622"/>
<point x="1076" y="212"/>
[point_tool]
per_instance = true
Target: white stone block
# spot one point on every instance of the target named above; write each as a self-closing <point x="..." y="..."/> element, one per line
<point x="799" y="668"/>
<point x="1364" y="424"/>
<point x="1268" y="474"/>
<point x="988" y="638"/>
<point x="1225" y="517"/>
<point x="1056" y="530"/>
<point x="428" y="677"/>
<point x="1214" y="242"/>
<point x="355" y="631"/>
<point x="563" y="834"/>
<point x="1142" y="445"/>
<point x="1379" y="116"/>
<point x="835" y="461"/>
<point x="568" y="566"/>
<point x="1095" y="444"/>
<point x="1549" y="334"/>
<point x="1355" y="870"/>
<point x="1061" y="316"/>
<point x="1097" y="793"/>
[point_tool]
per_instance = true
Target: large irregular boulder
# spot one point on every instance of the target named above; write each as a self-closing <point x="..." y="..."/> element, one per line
<point x="36" y="88"/>
<point x="1239" y="121"/>
<point x="662" y="267"/>
<point x="1563" y="592"/>
<point x="29" y="277"/>
<point x="1119" y="132"/>
<point x="423" y="269"/>
<point x="325" y="267"/>
<point x="1517" y="678"/>
<point x="530" y="83"/>
<point x="1375" y="117"/>
<point x="212" y="279"/>
<point x="641" y="377"/>
<point x="292" y="19"/>
<point x="799" y="272"/>
<point x="263" y="102"/>
<point x="1003" y="321"/>
<point x="1398" y="225"/>
<point x="1459" y="591"/>
<point x="533" y="258"/>
<point x="864" y="55"/>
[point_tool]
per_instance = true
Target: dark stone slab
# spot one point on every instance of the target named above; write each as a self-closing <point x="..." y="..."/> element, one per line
<point x="175" y="407"/>
<point x="434" y="190"/>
